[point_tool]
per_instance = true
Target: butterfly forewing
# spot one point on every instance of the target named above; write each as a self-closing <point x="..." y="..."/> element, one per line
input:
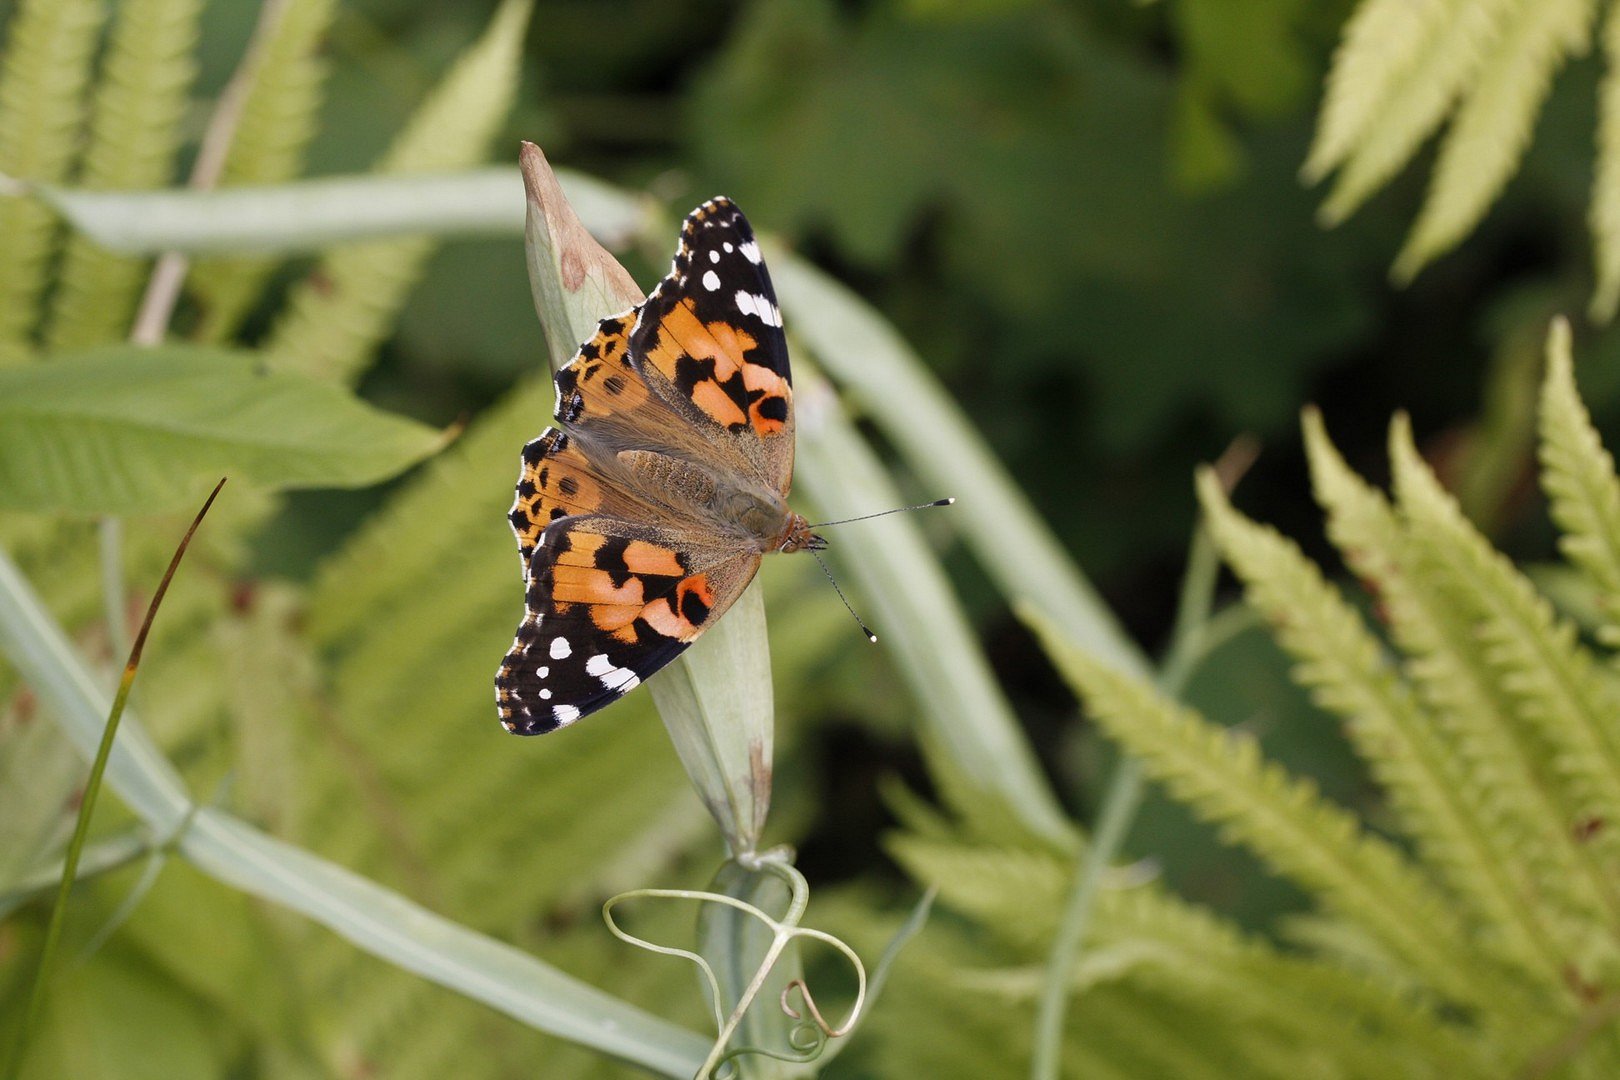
<point x="711" y="333"/>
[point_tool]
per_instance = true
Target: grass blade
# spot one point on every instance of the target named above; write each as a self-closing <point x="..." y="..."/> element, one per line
<point x="92" y="788"/>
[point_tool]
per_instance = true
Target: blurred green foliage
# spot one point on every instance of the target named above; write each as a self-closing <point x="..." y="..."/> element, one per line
<point x="1086" y="216"/>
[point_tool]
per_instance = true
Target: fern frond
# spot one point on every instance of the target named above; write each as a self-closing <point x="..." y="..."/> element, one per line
<point x="1308" y="998"/>
<point x="1578" y="476"/>
<point x="43" y="81"/>
<point x="336" y="317"/>
<point x="1492" y="127"/>
<point x="1418" y="102"/>
<point x="272" y="691"/>
<point x="1553" y="881"/>
<point x="1016" y="893"/>
<point x="1536" y="657"/>
<point x="1384" y="40"/>
<point x="1224" y="779"/>
<point x="462" y="492"/>
<point x="278" y="119"/>
<point x="1605" y="215"/>
<point x="1344" y="667"/>
<point x="134" y="132"/>
<point x="1151" y="1035"/>
<point x="1187" y="954"/>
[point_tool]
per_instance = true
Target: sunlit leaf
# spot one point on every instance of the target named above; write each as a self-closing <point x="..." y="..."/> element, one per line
<point x="124" y="430"/>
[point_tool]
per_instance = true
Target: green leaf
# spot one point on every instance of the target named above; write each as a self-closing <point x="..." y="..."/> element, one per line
<point x="1413" y="105"/>
<point x="38" y="772"/>
<point x="1383" y="42"/>
<point x="308" y="215"/>
<point x="1563" y="698"/>
<point x="118" y="1019"/>
<point x="278" y="119"/>
<point x="127" y="430"/>
<point x="1505" y="784"/>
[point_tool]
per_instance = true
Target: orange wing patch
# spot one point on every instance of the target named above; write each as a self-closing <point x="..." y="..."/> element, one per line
<point x="682" y="615"/>
<point x="556" y="481"/>
<point x="600" y="381"/>
<point x="620" y="581"/>
<point x="708" y="363"/>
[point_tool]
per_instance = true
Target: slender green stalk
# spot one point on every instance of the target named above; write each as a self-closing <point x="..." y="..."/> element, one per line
<point x="92" y="788"/>
<point x="1188" y="645"/>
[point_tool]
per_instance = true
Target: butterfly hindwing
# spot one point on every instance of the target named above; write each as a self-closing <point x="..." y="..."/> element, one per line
<point x="609" y="603"/>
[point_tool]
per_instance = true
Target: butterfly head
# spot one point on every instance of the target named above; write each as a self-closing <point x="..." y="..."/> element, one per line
<point x="799" y="537"/>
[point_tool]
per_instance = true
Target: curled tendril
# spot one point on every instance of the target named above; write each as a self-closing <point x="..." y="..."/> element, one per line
<point x="818" y="1021"/>
<point x="807" y="1039"/>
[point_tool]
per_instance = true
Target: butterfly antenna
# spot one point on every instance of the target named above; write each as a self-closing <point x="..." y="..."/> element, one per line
<point x="825" y="569"/>
<point x="883" y="513"/>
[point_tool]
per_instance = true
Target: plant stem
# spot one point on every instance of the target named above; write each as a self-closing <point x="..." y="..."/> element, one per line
<point x="163" y="287"/>
<point x="1188" y="645"/>
<point x="92" y="788"/>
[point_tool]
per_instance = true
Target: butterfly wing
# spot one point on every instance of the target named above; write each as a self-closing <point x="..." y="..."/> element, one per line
<point x="709" y="342"/>
<point x="691" y="393"/>
<point x="609" y="603"/>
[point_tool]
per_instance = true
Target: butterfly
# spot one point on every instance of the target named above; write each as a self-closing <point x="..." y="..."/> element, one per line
<point x="644" y="512"/>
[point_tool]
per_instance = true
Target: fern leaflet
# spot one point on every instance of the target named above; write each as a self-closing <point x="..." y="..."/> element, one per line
<point x="134" y="132"/>
<point x="278" y="120"/>
<point x="1492" y="128"/>
<point x="339" y="314"/>
<point x="1535" y="656"/>
<point x="1578" y="476"/>
<point x="1418" y="103"/>
<point x="43" y="80"/>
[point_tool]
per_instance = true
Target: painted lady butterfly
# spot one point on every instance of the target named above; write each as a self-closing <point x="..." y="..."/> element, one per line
<point x="645" y="511"/>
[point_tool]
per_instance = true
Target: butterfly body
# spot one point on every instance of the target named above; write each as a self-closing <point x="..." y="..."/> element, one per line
<point x="644" y="511"/>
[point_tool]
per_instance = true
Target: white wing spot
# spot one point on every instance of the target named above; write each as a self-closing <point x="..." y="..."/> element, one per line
<point x="728" y="247"/>
<point x="714" y="256"/>
<point x="767" y="312"/>
<point x="750" y="252"/>
<point x="564" y="714"/>
<point x="560" y="649"/>
<point x="613" y="677"/>
<point x="711" y="280"/>
<point x="545" y="695"/>
<point x="542" y="671"/>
